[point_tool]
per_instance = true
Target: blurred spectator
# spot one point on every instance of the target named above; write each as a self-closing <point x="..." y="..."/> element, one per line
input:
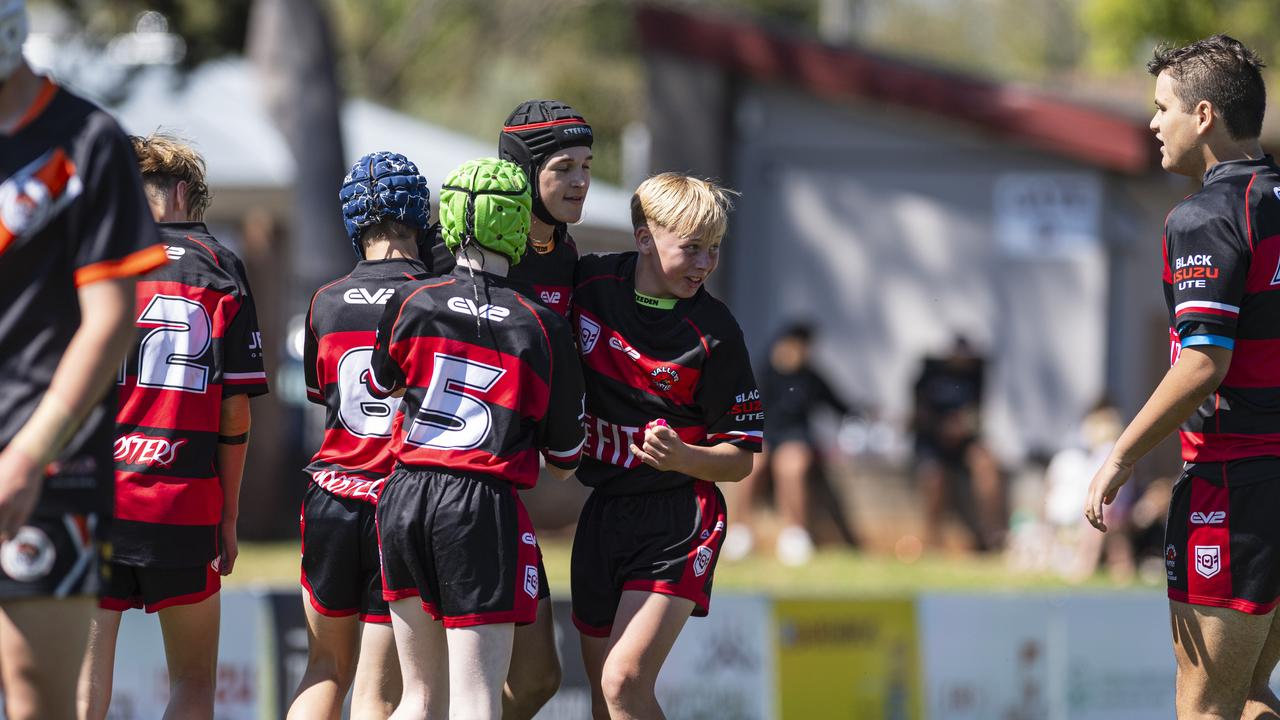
<point x="791" y="390"/>
<point x="950" y="456"/>
<point x="1079" y="550"/>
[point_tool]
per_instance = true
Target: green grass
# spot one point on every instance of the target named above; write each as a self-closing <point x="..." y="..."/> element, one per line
<point x="831" y="573"/>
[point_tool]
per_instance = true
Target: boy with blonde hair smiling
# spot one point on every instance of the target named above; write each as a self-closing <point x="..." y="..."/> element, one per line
<point x="672" y="409"/>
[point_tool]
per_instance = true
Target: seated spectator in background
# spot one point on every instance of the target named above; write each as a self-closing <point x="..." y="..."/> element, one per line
<point x="1078" y="550"/>
<point x="791" y="389"/>
<point x="949" y="448"/>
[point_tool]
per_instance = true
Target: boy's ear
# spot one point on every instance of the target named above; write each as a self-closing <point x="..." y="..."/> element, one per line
<point x="644" y="239"/>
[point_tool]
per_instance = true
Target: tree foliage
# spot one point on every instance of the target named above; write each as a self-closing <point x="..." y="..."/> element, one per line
<point x="1122" y="33"/>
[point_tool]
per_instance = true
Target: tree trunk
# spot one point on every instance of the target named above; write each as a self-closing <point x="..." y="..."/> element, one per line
<point x="291" y="48"/>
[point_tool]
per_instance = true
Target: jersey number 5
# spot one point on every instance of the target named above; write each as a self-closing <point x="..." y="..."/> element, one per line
<point x="180" y="332"/>
<point x="450" y="419"/>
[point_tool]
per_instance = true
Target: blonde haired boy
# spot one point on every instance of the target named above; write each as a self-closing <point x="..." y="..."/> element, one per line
<point x="672" y="408"/>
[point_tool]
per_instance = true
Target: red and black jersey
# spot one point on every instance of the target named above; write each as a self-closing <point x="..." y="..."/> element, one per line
<point x="1222" y="287"/>
<point x="492" y="378"/>
<point x="71" y="213"/>
<point x="355" y="456"/>
<point x="198" y="342"/>
<point x="688" y="365"/>
<point x="547" y="278"/>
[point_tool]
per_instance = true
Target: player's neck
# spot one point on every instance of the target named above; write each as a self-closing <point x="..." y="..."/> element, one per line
<point x="1215" y="153"/>
<point x="648" y="281"/>
<point x="390" y="250"/>
<point x="481" y="260"/>
<point x="539" y="232"/>
<point x="16" y="96"/>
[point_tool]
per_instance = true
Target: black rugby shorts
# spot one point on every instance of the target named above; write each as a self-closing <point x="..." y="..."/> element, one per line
<point x="462" y="544"/>
<point x="664" y="542"/>
<point x="340" y="569"/>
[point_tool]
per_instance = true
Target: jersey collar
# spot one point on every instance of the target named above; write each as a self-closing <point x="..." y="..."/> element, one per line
<point x="1230" y="168"/>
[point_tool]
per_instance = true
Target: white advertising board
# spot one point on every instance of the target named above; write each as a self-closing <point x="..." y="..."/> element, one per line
<point x="722" y="666"/>
<point x="1060" y="657"/>
<point x="141" y="687"/>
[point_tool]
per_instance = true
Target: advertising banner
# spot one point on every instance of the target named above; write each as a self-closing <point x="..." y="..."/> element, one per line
<point x="141" y="684"/>
<point x="1060" y="657"/>
<point x="721" y="667"/>
<point x="848" y="659"/>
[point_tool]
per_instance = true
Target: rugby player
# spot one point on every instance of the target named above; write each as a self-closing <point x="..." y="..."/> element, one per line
<point x="490" y="380"/>
<point x="672" y="409"/>
<point x="74" y="233"/>
<point x="1222" y="288"/>
<point x="386" y="207"/>
<point x="551" y="142"/>
<point x="182" y="430"/>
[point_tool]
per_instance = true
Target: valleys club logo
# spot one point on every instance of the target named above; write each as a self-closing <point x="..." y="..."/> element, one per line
<point x="664" y="378"/>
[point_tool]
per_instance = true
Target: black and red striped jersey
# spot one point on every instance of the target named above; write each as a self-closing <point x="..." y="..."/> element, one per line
<point x="198" y="342"/>
<point x="547" y="278"/>
<point x="71" y="213"/>
<point x="687" y="364"/>
<point x="492" y="378"/>
<point x="1222" y="287"/>
<point x="355" y="455"/>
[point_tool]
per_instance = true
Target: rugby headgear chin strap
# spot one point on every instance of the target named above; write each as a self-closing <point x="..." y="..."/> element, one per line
<point x="533" y="132"/>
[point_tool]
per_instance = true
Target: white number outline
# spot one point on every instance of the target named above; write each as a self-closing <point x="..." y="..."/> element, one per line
<point x="446" y="398"/>
<point x="357" y="401"/>
<point x="182" y="335"/>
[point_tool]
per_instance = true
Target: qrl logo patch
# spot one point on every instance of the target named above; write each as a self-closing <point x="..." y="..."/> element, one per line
<point x="28" y="556"/>
<point x="588" y="333"/>
<point x="702" y="561"/>
<point x="1208" y="560"/>
<point x="531" y="581"/>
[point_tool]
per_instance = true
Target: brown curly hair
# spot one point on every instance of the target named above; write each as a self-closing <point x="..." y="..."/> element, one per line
<point x="165" y="160"/>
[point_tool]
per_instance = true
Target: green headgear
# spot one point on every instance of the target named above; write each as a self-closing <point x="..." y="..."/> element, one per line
<point x="488" y="202"/>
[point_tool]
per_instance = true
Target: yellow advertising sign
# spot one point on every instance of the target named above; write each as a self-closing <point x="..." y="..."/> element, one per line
<point x="848" y="659"/>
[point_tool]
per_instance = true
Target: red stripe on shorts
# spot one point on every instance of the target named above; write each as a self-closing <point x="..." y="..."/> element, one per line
<point x="1209" y="542"/>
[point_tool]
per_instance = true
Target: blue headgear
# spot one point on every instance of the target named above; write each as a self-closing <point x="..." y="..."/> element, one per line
<point x="383" y="186"/>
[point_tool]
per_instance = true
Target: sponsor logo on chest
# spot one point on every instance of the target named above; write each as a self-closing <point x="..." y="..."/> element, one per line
<point x="34" y="195"/>
<point x="588" y="333"/>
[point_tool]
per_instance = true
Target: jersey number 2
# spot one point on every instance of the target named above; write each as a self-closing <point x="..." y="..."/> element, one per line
<point x="167" y="354"/>
<point x="450" y="419"/>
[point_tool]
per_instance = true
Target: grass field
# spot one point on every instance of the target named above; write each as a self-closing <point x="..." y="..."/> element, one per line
<point x="830" y="573"/>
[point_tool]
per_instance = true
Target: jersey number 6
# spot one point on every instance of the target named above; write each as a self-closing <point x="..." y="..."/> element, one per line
<point x="361" y="413"/>
<point x="450" y="419"/>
